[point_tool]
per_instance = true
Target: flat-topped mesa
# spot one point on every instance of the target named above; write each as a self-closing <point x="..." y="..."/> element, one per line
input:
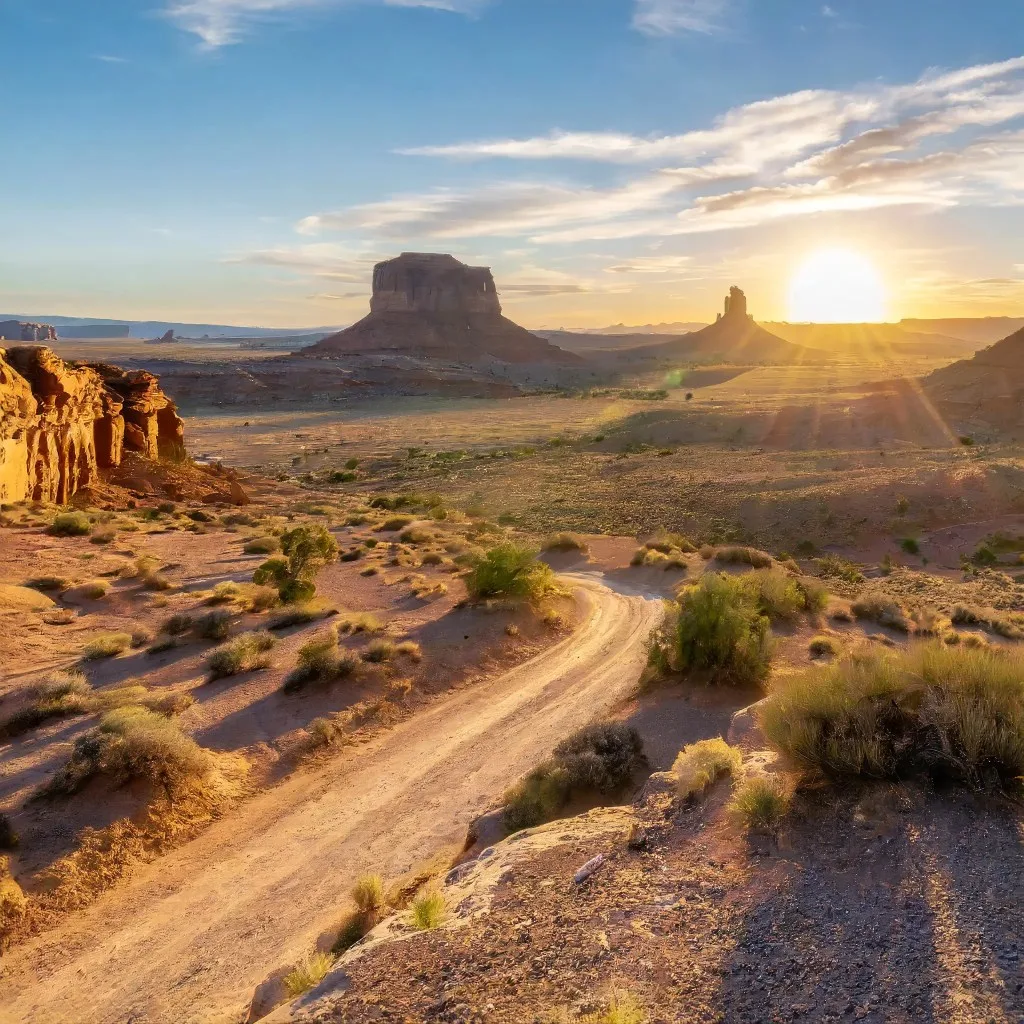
<point x="425" y="282"/>
<point x="431" y="306"/>
<point x="61" y="423"/>
<point x="17" y="330"/>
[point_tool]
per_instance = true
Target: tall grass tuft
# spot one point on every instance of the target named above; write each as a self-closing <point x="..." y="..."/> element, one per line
<point x="245" y="653"/>
<point x="699" y="764"/>
<point x="948" y="712"/>
<point x="510" y="570"/>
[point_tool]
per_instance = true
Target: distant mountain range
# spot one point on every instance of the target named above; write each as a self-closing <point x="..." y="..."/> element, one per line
<point x="157" y="328"/>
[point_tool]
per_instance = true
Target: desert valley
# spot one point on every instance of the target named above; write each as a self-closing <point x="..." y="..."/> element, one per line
<point x="512" y="512"/>
<point x="442" y="671"/>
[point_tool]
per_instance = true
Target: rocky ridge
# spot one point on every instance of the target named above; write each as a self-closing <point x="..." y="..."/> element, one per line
<point x="62" y="424"/>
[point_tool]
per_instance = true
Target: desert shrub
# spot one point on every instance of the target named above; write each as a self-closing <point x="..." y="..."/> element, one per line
<point x="429" y="910"/>
<point x="566" y="542"/>
<point x="306" y="550"/>
<point x="415" y="535"/>
<point x="815" y="595"/>
<point x="910" y="545"/>
<point x="822" y="646"/>
<point x="666" y="543"/>
<point x="953" y="713"/>
<point x="106" y="645"/>
<point x="298" y="615"/>
<point x="738" y="555"/>
<point x="394" y="523"/>
<point x="320" y="661"/>
<point x="776" y="594"/>
<point x="57" y="694"/>
<point x="883" y="610"/>
<point x="70" y="524"/>
<point x="247" y="652"/>
<point x="838" y="568"/>
<point x="8" y="836"/>
<point x="308" y="974"/>
<point x="433" y="558"/>
<point x="410" y="649"/>
<point x="761" y="801"/>
<point x="554" y="619"/>
<point x="48" y="583"/>
<point x="598" y="758"/>
<point x="379" y="651"/>
<point x="510" y="570"/>
<point x="351" y="556"/>
<point x="699" y="764"/>
<point x="177" y="624"/>
<point x="164" y="643"/>
<point x="720" y="629"/>
<point x="225" y="593"/>
<point x="214" y="625"/>
<point x="985" y="554"/>
<point x="132" y="743"/>
<point x="262" y="546"/>
<point x="987" y="618"/>
<point x="359" y="622"/>
<point x="103" y="537"/>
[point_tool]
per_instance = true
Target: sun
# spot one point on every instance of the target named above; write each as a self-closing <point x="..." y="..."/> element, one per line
<point x="838" y="286"/>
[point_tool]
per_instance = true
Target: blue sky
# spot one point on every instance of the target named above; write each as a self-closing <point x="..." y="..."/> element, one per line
<point x="614" y="160"/>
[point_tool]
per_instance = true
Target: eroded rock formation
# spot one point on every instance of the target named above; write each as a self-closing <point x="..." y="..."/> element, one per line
<point x="16" y="330"/>
<point x="62" y="423"/>
<point x="432" y="306"/>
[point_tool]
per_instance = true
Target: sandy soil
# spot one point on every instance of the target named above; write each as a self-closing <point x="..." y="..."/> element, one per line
<point x="186" y="941"/>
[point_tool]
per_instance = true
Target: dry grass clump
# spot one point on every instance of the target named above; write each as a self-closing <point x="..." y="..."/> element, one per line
<point x="70" y="524"/>
<point x="597" y="758"/>
<point x="13" y="903"/>
<point x="214" y="625"/>
<point x="761" y="802"/>
<point x="394" y="524"/>
<point x="699" y="764"/>
<point x="717" y="627"/>
<point x="380" y="651"/>
<point x="427" y="590"/>
<point x="359" y="622"/>
<point x="416" y="535"/>
<point x="371" y="905"/>
<point x="58" y="694"/>
<point x="822" y="647"/>
<point x="247" y="652"/>
<point x="93" y="591"/>
<point x="106" y="645"/>
<point x="320" y="661"/>
<point x="132" y="743"/>
<point x="739" y="555"/>
<point x="308" y="974"/>
<point x="177" y="624"/>
<point x="145" y="571"/>
<point x="987" y="618"/>
<point x="510" y="570"/>
<point x="262" y="546"/>
<point x="839" y="568"/>
<point x="951" y="713"/>
<point x="429" y="910"/>
<point x="565" y="542"/>
<point x="883" y="610"/>
<point x="300" y="615"/>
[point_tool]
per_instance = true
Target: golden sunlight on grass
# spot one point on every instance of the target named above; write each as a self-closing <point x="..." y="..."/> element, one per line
<point x="836" y="286"/>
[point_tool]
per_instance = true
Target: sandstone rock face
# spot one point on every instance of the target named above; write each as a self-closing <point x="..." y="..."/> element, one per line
<point x="429" y="305"/>
<point x="61" y="423"/>
<point x="421" y="282"/>
<point x="15" y="330"/>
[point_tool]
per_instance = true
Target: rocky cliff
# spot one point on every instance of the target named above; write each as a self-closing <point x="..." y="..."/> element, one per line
<point x="16" y="330"/>
<point x="432" y="306"/>
<point x="62" y="423"/>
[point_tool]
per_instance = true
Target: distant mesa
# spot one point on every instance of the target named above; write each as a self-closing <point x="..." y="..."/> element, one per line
<point x="167" y="338"/>
<point x="430" y="305"/>
<point x="17" y="330"/>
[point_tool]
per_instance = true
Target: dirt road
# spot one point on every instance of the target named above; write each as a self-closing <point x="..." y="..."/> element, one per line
<point x="190" y="936"/>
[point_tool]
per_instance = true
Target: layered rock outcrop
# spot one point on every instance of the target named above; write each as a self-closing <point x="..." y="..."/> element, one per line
<point x="16" y="330"/>
<point x="432" y="306"/>
<point x="62" y="423"/>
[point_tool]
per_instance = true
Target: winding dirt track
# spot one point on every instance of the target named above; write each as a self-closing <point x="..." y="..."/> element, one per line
<point x="190" y="936"/>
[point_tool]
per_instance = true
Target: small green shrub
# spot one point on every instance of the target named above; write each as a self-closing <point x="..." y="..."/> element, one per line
<point x="262" y="546"/>
<point x="910" y="545"/>
<point x="701" y="763"/>
<point x="883" y="610"/>
<point x="822" y="647"/>
<point x="368" y="894"/>
<point x="394" y="524"/>
<point x="299" y="615"/>
<point x="306" y="550"/>
<point x="320" y="661"/>
<point x="737" y="555"/>
<point x="247" y="652"/>
<point x="429" y="910"/>
<point x="308" y="974"/>
<point x="720" y="629"/>
<point x="106" y="645"/>
<point x="761" y="802"/>
<point x="510" y="570"/>
<point x="839" y="568"/>
<point x="178" y="624"/>
<point x="359" y="622"/>
<point x="379" y="651"/>
<point x="777" y="594"/>
<point x="214" y="625"/>
<point x="70" y="524"/>
<point x="566" y="542"/>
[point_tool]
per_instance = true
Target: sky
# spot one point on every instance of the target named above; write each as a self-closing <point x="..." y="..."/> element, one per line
<point x="613" y="161"/>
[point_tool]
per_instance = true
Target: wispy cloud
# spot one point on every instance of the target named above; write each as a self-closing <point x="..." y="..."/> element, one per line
<point x="669" y="17"/>
<point x="108" y="58"/>
<point x="810" y="152"/>
<point x="224" y="22"/>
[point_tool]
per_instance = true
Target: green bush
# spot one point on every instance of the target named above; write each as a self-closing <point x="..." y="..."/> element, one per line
<point x="247" y="652"/>
<point x="70" y="524"/>
<point x="876" y="607"/>
<point x="910" y="545"/>
<point x="949" y="712"/>
<point x="838" y="568"/>
<point x="598" y="758"/>
<point x="737" y="555"/>
<point x="566" y="542"/>
<point x="214" y="625"/>
<point x="320" y="661"/>
<point x="429" y="910"/>
<point x="701" y="763"/>
<point x="510" y="570"/>
<point x="720" y="629"/>
<point x="133" y="743"/>
<point x="177" y="624"/>
<point x="306" y="550"/>
<point x="822" y="646"/>
<point x="761" y="802"/>
<point x="776" y="594"/>
<point x="308" y="974"/>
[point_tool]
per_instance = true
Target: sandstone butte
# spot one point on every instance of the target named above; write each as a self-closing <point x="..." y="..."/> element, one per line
<point x="62" y="424"/>
<point x="431" y="305"/>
